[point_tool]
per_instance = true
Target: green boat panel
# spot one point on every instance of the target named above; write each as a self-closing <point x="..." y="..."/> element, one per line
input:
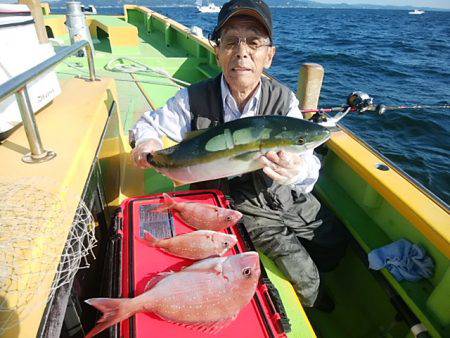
<point x="374" y="223"/>
<point x="362" y="309"/>
<point x="298" y="320"/>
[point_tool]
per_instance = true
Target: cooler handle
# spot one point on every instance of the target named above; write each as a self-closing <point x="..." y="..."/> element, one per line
<point x="278" y="313"/>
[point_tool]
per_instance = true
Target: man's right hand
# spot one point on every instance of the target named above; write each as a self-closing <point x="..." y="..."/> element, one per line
<point x="139" y="154"/>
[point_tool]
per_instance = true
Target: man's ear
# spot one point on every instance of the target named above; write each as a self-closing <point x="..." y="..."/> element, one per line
<point x="269" y="57"/>
<point x="216" y="50"/>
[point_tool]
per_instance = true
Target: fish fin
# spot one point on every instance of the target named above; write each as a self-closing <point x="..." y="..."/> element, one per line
<point x="216" y="269"/>
<point x="149" y="239"/>
<point x="205" y="265"/>
<point x="178" y="183"/>
<point x="248" y="156"/>
<point x="168" y="203"/>
<point x="114" y="311"/>
<point x="156" y="279"/>
<point x="210" y="327"/>
<point x="194" y="133"/>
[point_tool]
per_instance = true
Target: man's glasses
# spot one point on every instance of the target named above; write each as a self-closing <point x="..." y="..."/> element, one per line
<point x="253" y="42"/>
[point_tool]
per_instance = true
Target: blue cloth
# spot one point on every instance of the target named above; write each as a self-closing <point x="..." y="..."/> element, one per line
<point x="403" y="259"/>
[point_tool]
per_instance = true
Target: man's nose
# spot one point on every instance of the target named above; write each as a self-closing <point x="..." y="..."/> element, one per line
<point x="242" y="50"/>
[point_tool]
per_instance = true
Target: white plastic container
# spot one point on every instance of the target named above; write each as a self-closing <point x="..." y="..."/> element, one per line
<point x="20" y="50"/>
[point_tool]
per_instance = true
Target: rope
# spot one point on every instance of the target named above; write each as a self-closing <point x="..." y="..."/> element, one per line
<point x="139" y="67"/>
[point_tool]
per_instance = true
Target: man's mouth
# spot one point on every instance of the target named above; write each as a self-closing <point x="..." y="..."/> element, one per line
<point x="240" y="69"/>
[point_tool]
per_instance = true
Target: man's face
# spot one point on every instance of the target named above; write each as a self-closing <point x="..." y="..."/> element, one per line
<point x="242" y="65"/>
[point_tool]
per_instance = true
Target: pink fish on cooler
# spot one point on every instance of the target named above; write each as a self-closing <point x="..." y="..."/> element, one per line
<point x="206" y="296"/>
<point x="202" y="216"/>
<point x="198" y="244"/>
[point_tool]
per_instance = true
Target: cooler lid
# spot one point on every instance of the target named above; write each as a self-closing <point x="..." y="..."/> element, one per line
<point x="14" y="14"/>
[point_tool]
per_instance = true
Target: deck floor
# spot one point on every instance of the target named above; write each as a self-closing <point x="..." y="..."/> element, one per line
<point x="151" y="52"/>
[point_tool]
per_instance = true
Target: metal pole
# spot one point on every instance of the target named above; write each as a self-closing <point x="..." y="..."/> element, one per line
<point x="12" y="85"/>
<point x="38" y="153"/>
<point x="90" y="59"/>
<point x="17" y="86"/>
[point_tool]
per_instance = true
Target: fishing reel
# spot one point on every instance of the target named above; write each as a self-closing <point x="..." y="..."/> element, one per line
<point x="361" y="102"/>
<point x="357" y="101"/>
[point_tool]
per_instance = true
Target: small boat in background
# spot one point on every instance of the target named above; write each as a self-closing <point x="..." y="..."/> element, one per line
<point x="417" y="12"/>
<point x="210" y="8"/>
<point x="90" y="9"/>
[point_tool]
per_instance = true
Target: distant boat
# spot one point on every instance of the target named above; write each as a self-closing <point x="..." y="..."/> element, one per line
<point x="210" y="8"/>
<point x="89" y="9"/>
<point x="417" y="12"/>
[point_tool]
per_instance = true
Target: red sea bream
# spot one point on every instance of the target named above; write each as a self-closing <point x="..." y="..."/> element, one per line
<point x="202" y="216"/>
<point x="195" y="245"/>
<point x="206" y="296"/>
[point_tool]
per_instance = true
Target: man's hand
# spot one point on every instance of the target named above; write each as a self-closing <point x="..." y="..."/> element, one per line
<point x="283" y="167"/>
<point x="139" y="154"/>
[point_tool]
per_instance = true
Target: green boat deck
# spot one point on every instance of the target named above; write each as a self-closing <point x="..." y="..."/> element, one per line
<point x="363" y="308"/>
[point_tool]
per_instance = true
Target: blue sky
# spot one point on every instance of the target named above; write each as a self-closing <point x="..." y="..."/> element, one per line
<point x="418" y="3"/>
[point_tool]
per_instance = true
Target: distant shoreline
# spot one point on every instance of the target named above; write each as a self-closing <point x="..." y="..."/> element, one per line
<point x="352" y="7"/>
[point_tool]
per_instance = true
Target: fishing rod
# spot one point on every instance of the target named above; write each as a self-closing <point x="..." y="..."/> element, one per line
<point x="360" y="102"/>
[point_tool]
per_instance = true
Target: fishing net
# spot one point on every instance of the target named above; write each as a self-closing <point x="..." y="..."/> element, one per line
<point x="33" y="227"/>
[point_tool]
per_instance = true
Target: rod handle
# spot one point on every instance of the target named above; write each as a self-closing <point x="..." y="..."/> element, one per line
<point x="310" y="80"/>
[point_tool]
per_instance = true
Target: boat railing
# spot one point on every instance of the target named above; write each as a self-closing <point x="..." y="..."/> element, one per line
<point x="18" y="86"/>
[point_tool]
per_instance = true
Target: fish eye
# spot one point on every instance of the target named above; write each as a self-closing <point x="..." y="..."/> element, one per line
<point x="226" y="244"/>
<point x="229" y="218"/>
<point x="247" y="272"/>
<point x="301" y="140"/>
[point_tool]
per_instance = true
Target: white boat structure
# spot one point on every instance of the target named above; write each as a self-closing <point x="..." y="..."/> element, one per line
<point x="417" y="12"/>
<point x="210" y="8"/>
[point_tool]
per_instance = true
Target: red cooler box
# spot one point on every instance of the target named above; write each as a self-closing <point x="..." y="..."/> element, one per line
<point x="131" y="264"/>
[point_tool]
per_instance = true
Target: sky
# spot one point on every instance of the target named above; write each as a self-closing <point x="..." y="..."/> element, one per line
<point x="418" y="3"/>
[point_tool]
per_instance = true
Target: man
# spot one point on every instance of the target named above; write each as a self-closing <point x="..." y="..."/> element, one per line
<point x="280" y="214"/>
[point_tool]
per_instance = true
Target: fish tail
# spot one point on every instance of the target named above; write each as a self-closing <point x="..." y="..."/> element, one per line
<point x="114" y="311"/>
<point x="168" y="203"/>
<point x="150" y="239"/>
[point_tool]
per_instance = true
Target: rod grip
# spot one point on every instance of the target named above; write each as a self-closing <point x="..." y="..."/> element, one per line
<point x="310" y="80"/>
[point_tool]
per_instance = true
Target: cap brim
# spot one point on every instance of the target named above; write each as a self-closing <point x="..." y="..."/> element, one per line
<point x="249" y="12"/>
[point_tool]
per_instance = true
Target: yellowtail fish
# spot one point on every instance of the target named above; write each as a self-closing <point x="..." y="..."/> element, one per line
<point x="206" y="296"/>
<point x="235" y="147"/>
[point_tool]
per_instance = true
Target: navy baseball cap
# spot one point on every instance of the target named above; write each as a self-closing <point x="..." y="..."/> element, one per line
<point x="257" y="9"/>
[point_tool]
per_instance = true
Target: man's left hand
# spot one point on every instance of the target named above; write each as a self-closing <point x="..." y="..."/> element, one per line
<point x="283" y="167"/>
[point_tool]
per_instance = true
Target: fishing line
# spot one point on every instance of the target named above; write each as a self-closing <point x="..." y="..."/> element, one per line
<point x="118" y="65"/>
<point x="81" y="72"/>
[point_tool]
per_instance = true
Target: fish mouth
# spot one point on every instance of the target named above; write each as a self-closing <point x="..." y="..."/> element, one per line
<point x="239" y="215"/>
<point x="315" y="144"/>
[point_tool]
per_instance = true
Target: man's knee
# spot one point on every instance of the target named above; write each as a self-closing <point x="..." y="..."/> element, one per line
<point x="292" y="259"/>
<point x="301" y="271"/>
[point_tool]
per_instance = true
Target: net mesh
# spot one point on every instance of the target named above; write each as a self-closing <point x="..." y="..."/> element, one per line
<point x="33" y="228"/>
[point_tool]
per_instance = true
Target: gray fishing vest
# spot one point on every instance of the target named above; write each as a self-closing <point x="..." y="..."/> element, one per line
<point x="206" y="106"/>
